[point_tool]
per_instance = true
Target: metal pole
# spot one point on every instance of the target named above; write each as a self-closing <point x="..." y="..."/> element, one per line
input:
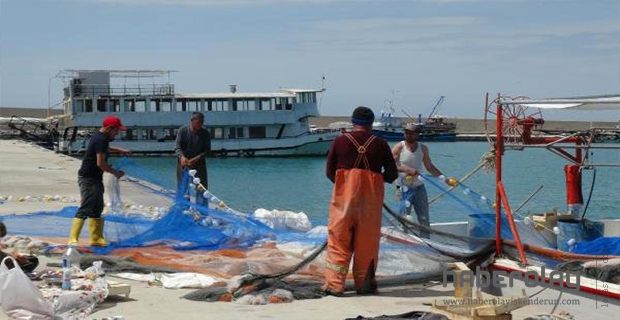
<point x="498" y="178"/>
<point x="528" y="199"/>
<point x="511" y="223"/>
<point x="520" y="146"/>
<point x="49" y="96"/>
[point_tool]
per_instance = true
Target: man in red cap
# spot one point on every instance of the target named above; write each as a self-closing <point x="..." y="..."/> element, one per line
<point x="90" y="180"/>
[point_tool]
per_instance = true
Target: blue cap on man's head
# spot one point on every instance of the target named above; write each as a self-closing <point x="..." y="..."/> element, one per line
<point x="362" y="116"/>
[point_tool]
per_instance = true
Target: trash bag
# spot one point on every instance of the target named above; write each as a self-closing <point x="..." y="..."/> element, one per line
<point x="114" y="196"/>
<point x="19" y="297"/>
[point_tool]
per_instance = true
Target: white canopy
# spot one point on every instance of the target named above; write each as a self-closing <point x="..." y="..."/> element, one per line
<point x="594" y="103"/>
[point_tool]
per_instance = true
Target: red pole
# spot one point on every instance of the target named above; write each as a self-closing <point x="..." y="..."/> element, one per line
<point x="499" y="146"/>
<point x="578" y="154"/>
<point x="511" y="222"/>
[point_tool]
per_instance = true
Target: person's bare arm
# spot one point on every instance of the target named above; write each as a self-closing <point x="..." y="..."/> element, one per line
<point x="105" y="167"/>
<point x="428" y="163"/>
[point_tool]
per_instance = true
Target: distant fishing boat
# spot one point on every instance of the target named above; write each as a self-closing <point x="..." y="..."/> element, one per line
<point x="388" y="127"/>
<point x="434" y="128"/>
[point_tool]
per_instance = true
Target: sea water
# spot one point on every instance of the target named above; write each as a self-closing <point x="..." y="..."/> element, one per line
<point x="299" y="184"/>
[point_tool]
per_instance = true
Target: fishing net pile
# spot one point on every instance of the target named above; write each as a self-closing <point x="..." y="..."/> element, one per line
<point x="267" y="256"/>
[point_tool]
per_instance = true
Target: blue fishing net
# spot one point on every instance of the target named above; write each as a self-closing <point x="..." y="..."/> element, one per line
<point x="599" y="246"/>
<point x="198" y="220"/>
<point x="186" y="225"/>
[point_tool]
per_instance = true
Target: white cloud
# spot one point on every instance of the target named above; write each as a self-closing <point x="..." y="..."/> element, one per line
<point x="469" y="33"/>
<point x="397" y="23"/>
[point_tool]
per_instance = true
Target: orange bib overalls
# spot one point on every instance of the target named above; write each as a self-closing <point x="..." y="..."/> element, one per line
<point x="354" y="227"/>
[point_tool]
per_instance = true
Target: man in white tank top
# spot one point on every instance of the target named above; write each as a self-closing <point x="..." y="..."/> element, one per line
<point x="411" y="158"/>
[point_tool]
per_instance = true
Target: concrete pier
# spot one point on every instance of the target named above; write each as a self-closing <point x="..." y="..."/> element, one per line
<point x="29" y="173"/>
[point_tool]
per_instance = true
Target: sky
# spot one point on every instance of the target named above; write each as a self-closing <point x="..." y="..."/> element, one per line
<point x="371" y="52"/>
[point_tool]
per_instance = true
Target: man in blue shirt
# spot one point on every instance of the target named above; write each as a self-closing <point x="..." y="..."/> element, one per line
<point x="90" y="180"/>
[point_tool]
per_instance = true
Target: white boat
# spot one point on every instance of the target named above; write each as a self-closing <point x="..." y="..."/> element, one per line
<point x="241" y="124"/>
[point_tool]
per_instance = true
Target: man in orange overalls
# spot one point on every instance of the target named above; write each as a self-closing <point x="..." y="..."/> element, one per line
<point x="358" y="163"/>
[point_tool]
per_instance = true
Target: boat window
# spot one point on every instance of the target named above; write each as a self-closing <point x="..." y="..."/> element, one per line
<point x="236" y="105"/>
<point x="129" y="134"/>
<point x="218" y="133"/>
<point x="140" y="106"/>
<point x="78" y="106"/>
<point x="235" y="133"/>
<point x="218" y="105"/>
<point x="258" y="132"/>
<point x="265" y="104"/>
<point x="192" y="105"/>
<point x="180" y="106"/>
<point x="221" y="105"/>
<point x="88" y="105"/>
<point x="165" y="105"/>
<point x="289" y="103"/>
<point x="169" y="134"/>
<point x="251" y="105"/>
<point x="101" y="104"/>
<point x="312" y="97"/>
<point x="209" y="105"/>
<point x="153" y="106"/>
<point x="115" y="105"/>
<point x="280" y="102"/>
<point x="130" y="106"/>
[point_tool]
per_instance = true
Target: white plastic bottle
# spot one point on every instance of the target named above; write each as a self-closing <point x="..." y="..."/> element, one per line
<point x="74" y="257"/>
<point x="66" y="272"/>
<point x="70" y="261"/>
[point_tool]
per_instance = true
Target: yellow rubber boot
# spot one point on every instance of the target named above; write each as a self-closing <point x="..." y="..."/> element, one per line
<point x="76" y="228"/>
<point x="95" y="227"/>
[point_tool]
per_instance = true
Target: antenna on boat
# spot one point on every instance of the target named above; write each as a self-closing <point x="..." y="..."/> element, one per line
<point x="321" y="93"/>
<point x="436" y="106"/>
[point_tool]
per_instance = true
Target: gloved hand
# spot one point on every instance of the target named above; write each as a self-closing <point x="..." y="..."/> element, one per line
<point x="452" y="181"/>
<point x="409" y="180"/>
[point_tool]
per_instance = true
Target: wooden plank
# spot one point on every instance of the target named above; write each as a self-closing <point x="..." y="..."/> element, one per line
<point x="462" y="289"/>
<point x="118" y="288"/>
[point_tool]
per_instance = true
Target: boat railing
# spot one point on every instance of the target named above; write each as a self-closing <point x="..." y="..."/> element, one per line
<point x="94" y="90"/>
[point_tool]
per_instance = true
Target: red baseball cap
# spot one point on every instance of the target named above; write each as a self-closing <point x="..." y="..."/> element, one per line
<point x="113" y="121"/>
